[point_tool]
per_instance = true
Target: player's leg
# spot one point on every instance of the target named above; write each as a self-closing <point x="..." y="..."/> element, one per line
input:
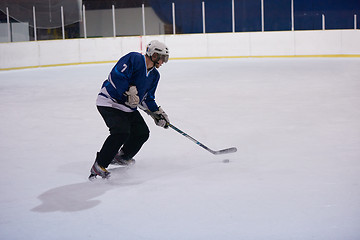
<point x="119" y="126"/>
<point x="139" y="134"/>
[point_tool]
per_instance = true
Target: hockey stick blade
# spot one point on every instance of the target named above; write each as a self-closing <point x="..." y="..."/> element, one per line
<point x="225" y="151"/>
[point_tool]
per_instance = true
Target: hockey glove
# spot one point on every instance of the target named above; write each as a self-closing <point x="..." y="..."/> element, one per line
<point x="132" y="97"/>
<point x="161" y="118"/>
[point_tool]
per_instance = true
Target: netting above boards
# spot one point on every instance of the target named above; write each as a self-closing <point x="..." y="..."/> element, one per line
<point x="48" y="12"/>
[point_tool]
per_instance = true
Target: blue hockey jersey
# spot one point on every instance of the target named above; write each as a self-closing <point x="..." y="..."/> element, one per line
<point x="130" y="70"/>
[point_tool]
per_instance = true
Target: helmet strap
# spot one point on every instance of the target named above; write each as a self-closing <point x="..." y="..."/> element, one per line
<point x="156" y="61"/>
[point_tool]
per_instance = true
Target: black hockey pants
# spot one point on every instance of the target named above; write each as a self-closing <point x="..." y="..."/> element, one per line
<point x="127" y="130"/>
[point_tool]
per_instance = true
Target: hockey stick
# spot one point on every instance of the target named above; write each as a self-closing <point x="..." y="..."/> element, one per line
<point x="222" y="151"/>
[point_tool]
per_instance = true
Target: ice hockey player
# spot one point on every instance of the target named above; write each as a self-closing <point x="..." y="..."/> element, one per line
<point x="131" y="82"/>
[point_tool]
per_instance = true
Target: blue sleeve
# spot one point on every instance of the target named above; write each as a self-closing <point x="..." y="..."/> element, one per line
<point x="150" y="98"/>
<point x="120" y="76"/>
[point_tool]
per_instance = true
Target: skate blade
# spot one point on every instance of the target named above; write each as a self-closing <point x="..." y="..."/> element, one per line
<point x="93" y="177"/>
<point x="129" y="163"/>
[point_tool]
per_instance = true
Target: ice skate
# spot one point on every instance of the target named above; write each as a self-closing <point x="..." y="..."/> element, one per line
<point x="120" y="161"/>
<point x="97" y="170"/>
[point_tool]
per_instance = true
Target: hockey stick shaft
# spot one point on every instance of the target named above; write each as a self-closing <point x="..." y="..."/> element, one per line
<point x="223" y="151"/>
<point x="191" y="138"/>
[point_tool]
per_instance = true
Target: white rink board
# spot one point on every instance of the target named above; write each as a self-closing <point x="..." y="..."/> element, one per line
<point x="255" y="44"/>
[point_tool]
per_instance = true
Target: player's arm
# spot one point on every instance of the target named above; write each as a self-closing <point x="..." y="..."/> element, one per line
<point x="157" y="113"/>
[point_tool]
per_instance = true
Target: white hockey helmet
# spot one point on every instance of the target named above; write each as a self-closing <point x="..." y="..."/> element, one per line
<point x="160" y="48"/>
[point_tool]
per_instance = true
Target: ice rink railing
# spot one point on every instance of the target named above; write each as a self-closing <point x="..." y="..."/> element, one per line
<point x="33" y="24"/>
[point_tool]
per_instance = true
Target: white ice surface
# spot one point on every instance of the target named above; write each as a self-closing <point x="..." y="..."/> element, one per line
<point x="296" y="175"/>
